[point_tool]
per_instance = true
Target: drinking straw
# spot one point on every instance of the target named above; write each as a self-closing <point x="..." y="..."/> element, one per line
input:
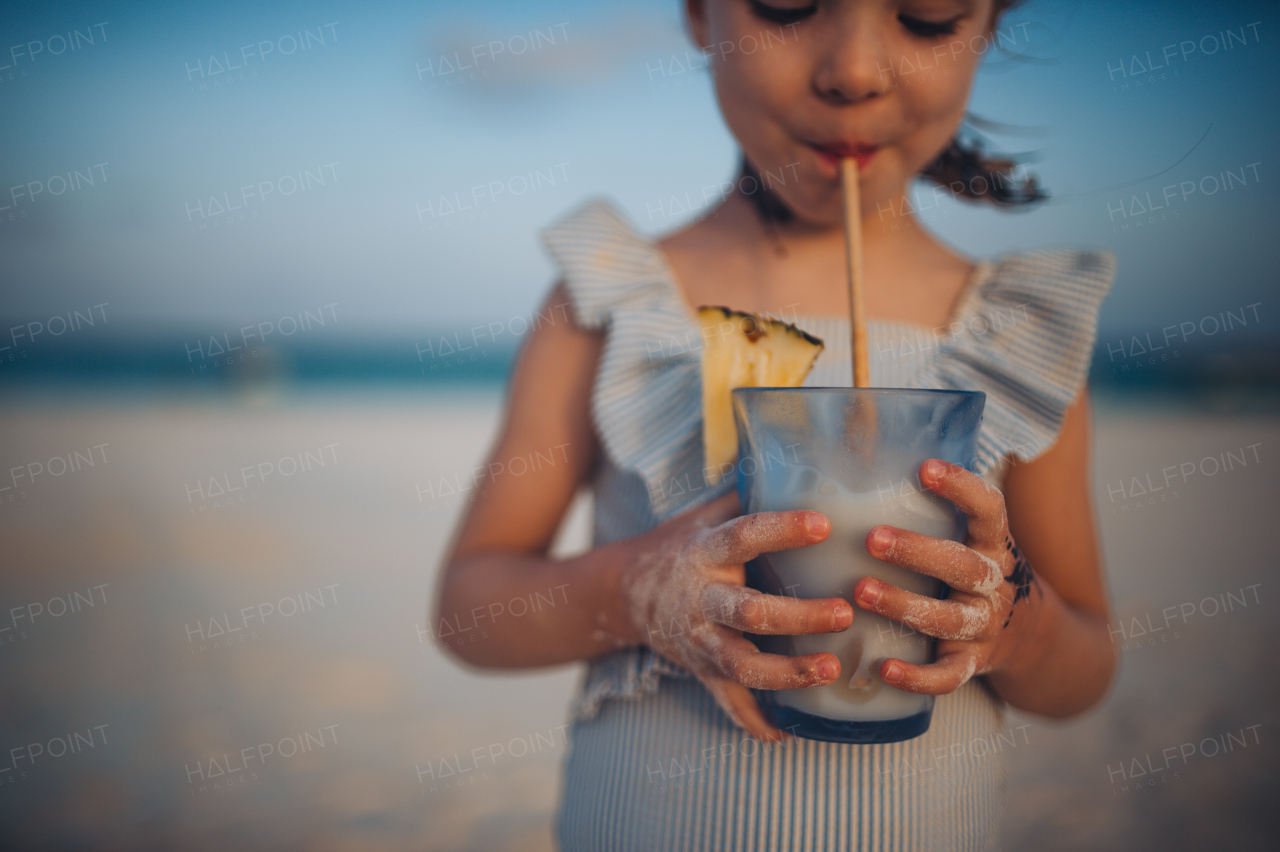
<point x="853" y="257"/>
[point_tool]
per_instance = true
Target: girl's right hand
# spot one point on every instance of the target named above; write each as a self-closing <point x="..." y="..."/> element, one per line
<point x="685" y="597"/>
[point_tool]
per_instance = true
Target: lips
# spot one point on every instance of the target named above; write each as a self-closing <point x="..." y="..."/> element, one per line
<point x="830" y="154"/>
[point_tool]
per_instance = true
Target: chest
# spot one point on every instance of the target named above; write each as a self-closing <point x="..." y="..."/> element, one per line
<point x="813" y="284"/>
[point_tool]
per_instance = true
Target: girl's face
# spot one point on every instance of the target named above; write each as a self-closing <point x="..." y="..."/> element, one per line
<point x="803" y="82"/>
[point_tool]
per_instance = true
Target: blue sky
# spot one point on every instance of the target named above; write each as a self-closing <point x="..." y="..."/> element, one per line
<point x="360" y="98"/>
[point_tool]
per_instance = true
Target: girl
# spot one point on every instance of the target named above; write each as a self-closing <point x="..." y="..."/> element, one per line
<point x="659" y="759"/>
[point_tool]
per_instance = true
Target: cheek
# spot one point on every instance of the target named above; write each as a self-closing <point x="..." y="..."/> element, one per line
<point x="753" y="94"/>
<point x="935" y="106"/>
<point x="747" y="111"/>
<point x="756" y="82"/>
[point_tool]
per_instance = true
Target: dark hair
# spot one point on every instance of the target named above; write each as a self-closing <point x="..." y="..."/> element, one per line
<point x="962" y="165"/>
<point x="968" y="173"/>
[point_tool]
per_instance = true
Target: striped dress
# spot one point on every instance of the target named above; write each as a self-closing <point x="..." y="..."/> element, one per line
<point x="655" y="765"/>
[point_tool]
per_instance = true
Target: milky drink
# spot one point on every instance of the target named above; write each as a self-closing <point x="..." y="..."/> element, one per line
<point x="832" y="569"/>
<point x="853" y="454"/>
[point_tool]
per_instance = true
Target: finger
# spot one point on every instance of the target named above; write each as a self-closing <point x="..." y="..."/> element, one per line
<point x="946" y="675"/>
<point x="755" y="612"/>
<point x="941" y="619"/>
<point x="973" y="495"/>
<point x="958" y="566"/>
<point x="746" y="537"/>
<point x="741" y="661"/>
<point x="741" y="707"/>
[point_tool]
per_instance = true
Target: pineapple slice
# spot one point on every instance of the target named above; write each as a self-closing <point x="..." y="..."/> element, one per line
<point x="741" y="350"/>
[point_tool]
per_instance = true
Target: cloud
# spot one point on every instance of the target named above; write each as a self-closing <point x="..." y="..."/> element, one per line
<point x="496" y="60"/>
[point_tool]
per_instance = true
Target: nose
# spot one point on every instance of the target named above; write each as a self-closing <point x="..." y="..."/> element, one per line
<point x="852" y="66"/>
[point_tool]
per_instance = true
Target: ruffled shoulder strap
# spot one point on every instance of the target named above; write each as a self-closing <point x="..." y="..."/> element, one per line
<point x="1023" y="332"/>
<point x="647" y="399"/>
<point x="603" y="262"/>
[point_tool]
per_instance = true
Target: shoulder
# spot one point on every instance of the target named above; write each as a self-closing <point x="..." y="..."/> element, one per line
<point x="559" y="356"/>
<point x="1040" y="302"/>
<point x="1062" y="275"/>
<point x="646" y="393"/>
<point x="1023" y="333"/>
<point x="602" y="261"/>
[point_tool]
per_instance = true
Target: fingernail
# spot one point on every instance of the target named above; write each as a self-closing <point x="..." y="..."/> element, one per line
<point x="934" y="469"/>
<point x="882" y="538"/>
<point x="827" y="671"/>
<point x="892" y="673"/>
<point x="871" y="591"/>
<point x="816" y="524"/>
<point x="841" y="616"/>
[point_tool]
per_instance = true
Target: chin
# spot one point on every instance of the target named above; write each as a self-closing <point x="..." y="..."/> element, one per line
<point x="818" y="214"/>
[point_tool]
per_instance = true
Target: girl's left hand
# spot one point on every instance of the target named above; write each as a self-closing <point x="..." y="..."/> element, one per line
<point x="991" y="605"/>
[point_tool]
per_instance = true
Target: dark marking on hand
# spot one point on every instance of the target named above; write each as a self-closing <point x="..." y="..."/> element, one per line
<point x="1022" y="578"/>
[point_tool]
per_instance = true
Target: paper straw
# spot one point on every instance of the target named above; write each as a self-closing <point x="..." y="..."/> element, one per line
<point x="853" y="256"/>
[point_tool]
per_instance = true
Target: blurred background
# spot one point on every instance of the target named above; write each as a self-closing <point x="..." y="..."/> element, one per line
<point x="263" y="273"/>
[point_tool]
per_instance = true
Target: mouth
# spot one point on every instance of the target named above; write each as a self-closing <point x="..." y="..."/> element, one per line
<point x="830" y="155"/>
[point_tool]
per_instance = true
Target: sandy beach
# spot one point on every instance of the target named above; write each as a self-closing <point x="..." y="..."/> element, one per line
<point x="190" y="664"/>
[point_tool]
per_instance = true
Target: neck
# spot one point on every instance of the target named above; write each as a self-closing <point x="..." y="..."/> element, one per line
<point x="759" y="265"/>
<point x="882" y="235"/>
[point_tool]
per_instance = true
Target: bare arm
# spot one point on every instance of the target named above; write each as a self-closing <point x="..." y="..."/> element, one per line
<point x="500" y="551"/>
<point x="1069" y="660"/>
<point x="688" y="571"/>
